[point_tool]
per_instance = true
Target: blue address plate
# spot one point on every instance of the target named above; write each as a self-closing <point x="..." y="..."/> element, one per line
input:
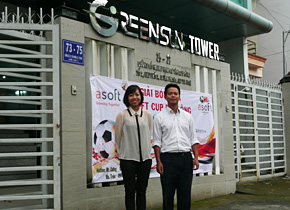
<point x="73" y="52"/>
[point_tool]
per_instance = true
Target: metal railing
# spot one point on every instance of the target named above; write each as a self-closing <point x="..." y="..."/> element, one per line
<point x="258" y="118"/>
<point x="29" y="112"/>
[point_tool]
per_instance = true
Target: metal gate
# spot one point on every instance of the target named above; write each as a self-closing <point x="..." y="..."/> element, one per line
<point x="259" y="142"/>
<point x="29" y="111"/>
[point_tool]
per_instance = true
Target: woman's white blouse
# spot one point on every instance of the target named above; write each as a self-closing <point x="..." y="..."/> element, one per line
<point x="127" y="137"/>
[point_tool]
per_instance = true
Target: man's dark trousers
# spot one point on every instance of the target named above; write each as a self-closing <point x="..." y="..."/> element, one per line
<point x="177" y="176"/>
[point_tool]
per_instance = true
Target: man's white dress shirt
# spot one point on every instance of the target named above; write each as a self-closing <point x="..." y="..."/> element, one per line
<point x="174" y="132"/>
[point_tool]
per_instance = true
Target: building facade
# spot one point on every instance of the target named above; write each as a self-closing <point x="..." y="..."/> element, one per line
<point x="199" y="43"/>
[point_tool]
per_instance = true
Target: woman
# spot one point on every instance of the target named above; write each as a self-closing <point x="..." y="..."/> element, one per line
<point x="133" y="140"/>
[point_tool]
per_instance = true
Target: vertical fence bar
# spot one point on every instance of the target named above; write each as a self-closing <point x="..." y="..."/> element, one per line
<point x="40" y="21"/>
<point x="32" y="32"/>
<point x="52" y="16"/>
<point x="283" y="128"/>
<point x="238" y="139"/>
<point x="40" y="16"/>
<point x="44" y="133"/>
<point x="6" y="15"/>
<point x="256" y="131"/>
<point x="29" y="15"/>
<point x="17" y="15"/>
<point x="271" y="133"/>
<point x="56" y="117"/>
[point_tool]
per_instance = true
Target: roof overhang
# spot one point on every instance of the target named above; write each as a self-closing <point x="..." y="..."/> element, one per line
<point x="213" y="20"/>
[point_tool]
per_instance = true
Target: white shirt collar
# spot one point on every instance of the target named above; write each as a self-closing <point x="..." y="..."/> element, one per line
<point x="139" y="112"/>
<point x="171" y="111"/>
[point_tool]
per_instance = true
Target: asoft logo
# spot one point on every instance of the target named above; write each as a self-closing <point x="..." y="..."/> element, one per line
<point x="205" y="105"/>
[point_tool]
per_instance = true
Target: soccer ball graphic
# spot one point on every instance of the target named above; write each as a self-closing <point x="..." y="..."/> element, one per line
<point x="104" y="139"/>
<point x="201" y="99"/>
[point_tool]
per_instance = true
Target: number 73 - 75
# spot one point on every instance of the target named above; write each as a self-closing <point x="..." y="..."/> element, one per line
<point x="69" y="48"/>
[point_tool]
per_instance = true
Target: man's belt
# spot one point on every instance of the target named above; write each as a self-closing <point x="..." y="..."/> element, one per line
<point x="176" y="154"/>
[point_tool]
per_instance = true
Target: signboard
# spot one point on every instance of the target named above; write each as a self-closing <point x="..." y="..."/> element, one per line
<point x="144" y="29"/>
<point x="73" y="52"/>
<point x="107" y="102"/>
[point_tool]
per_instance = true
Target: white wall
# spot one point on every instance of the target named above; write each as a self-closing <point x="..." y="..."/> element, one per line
<point x="77" y="192"/>
<point x="269" y="45"/>
<point x="286" y="94"/>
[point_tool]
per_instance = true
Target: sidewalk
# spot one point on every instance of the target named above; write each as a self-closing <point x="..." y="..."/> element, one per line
<point x="262" y="195"/>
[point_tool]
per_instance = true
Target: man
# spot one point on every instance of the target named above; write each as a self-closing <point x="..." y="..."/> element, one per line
<point x="174" y="137"/>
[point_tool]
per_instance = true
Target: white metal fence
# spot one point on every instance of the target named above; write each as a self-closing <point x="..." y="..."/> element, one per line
<point x="259" y="142"/>
<point x="29" y="111"/>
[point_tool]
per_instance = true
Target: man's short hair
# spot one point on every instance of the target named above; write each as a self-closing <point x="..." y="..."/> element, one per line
<point x="129" y="90"/>
<point x="171" y="85"/>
